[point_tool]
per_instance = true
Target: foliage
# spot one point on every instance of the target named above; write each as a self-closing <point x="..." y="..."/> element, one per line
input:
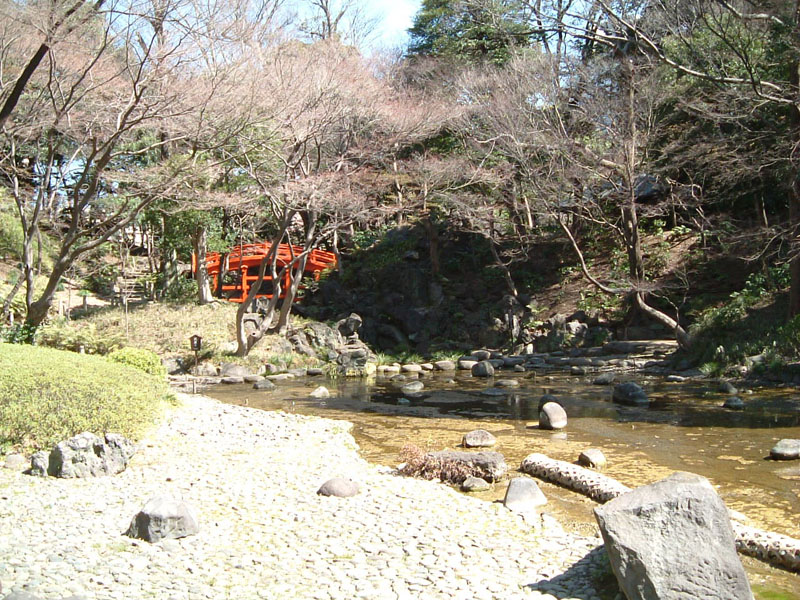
<point x="48" y="395"/>
<point x="139" y="358"/>
<point x="63" y="335"/>
<point x="466" y="30"/>
<point x="745" y="325"/>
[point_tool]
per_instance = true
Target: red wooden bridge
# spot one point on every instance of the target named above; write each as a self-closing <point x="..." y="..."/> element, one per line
<point x="240" y="266"/>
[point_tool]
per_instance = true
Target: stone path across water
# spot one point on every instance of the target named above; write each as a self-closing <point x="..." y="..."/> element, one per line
<point x="252" y="477"/>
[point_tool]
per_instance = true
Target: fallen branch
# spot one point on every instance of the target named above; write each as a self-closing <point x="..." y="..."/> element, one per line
<point x="774" y="548"/>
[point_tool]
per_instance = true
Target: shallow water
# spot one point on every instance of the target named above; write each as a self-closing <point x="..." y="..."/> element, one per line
<point x="684" y="428"/>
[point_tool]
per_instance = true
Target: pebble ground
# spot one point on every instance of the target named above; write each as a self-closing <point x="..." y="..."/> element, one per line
<point x="251" y="477"/>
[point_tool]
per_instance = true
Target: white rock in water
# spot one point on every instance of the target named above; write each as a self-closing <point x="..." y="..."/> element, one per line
<point x="320" y="392"/>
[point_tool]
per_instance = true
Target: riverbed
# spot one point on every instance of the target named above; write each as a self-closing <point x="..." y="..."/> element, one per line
<point x="684" y="428"/>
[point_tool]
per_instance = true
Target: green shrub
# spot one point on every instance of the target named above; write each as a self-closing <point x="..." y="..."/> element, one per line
<point x="48" y="395"/>
<point x="139" y="358"/>
<point x="63" y="335"/>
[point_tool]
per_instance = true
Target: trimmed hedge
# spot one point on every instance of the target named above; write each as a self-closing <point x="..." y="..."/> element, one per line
<point x="49" y="395"/>
<point x="144" y="360"/>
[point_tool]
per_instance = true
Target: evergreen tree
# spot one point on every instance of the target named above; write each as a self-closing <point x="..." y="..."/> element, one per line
<point x="477" y="31"/>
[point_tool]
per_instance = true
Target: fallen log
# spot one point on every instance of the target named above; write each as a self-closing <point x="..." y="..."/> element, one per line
<point x="773" y="548"/>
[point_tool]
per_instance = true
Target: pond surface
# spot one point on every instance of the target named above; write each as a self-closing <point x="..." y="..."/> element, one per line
<point x="684" y="428"/>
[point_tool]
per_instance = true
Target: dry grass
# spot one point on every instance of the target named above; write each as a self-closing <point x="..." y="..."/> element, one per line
<point x="165" y="329"/>
<point x="421" y="464"/>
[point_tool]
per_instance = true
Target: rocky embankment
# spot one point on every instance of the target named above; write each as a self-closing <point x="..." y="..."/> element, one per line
<point x="251" y="477"/>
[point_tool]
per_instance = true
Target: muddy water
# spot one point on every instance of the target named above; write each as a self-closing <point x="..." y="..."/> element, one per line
<point x="684" y="428"/>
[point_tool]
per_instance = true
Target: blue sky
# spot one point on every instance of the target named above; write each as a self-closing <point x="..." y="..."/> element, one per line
<point x="396" y="16"/>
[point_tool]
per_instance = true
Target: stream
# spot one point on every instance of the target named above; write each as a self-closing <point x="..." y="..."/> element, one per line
<point x="684" y="428"/>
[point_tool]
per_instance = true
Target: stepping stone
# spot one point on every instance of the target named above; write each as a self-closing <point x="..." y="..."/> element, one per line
<point x="787" y="449"/>
<point x="339" y="487"/>
<point x="480" y="438"/>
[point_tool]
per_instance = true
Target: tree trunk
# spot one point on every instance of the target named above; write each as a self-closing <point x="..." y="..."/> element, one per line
<point x="37" y="311"/>
<point x="433" y="245"/>
<point x="201" y="275"/>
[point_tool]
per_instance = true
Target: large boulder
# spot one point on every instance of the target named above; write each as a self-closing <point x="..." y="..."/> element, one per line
<point x="629" y="393"/>
<point x="163" y="517"/>
<point x="673" y="540"/>
<point x="85" y="455"/>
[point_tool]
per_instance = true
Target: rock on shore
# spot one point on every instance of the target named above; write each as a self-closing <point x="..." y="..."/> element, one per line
<point x="252" y="477"/>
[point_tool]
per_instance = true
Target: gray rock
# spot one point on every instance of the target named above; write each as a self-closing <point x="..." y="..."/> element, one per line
<point x="734" y="403"/>
<point x="16" y="462"/>
<point x="482" y="369"/>
<point x="444" y="365"/>
<point x="412" y="387"/>
<point x="205" y="369"/>
<point x="479" y="355"/>
<point x="350" y="325"/>
<point x="264" y="385"/>
<point x="163" y="517"/>
<point x="232" y="380"/>
<point x="507" y="383"/>
<point x="675" y="378"/>
<point x="605" y="378"/>
<point x="466" y="364"/>
<point x="552" y="416"/>
<point x="629" y="393"/>
<point x="480" y="438"/>
<point x="410" y="368"/>
<point x="404" y="401"/>
<point x="513" y="361"/>
<point x="474" y="484"/>
<point x="86" y="455"/>
<point x="21" y="596"/>
<point x="545" y="399"/>
<point x="494" y="391"/>
<point x="233" y="370"/>
<point x="519" y="369"/>
<point x="320" y="392"/>
<point x="174" y="365"/>
<point x="673" y="540"/>
<point x="314" y="372"/>
<point x="786" y="449"/>
<point x="726" y="387"/>
<point x="39" y="463"/>
<point x="592" y="458"/>
<point x="523" y="495"/>
<point x="339" y="487"/>
<point x="253" y="378"/>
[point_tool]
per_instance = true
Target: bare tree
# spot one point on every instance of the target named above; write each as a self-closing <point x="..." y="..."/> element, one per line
<point x="750" y="50"/>
<point x="113" y="78"/>
<point x="577" y="147"/>
<point x="347" y="21"/>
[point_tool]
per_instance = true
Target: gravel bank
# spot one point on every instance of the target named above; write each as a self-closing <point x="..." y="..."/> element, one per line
<point x="252" y="477"/>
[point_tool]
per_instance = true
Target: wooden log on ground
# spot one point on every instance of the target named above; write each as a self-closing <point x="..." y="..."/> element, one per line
<point x="773" y="548"/>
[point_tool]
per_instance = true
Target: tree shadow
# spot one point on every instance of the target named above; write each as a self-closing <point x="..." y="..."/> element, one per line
<point x="589" y="577"/>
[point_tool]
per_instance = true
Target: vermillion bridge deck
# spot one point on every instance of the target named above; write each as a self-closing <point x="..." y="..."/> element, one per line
<point x="239" y="269"/>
